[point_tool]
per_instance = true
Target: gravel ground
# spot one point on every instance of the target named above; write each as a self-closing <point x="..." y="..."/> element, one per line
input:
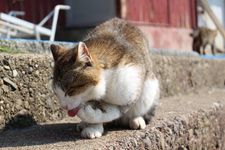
<point x="192" y="121"/>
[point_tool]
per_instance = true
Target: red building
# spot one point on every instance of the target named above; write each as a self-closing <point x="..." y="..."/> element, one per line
<point x="166" y="23"/>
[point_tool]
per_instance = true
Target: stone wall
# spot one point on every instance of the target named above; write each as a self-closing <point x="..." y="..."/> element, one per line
<point x="188" y="74"/>
<point x="25" y="82"/>
<point x="25" y="87"/>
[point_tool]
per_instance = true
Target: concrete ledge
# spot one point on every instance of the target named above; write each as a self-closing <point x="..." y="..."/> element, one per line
<point x="200" y="130"/>
<point x="33" y="46"/>
<point x="25" y="82"/>
<point x="180" y="75"/>
<point x="193" y="121"/>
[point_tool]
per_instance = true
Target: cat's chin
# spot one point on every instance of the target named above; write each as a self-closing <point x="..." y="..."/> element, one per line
<point x="73" y="111"/>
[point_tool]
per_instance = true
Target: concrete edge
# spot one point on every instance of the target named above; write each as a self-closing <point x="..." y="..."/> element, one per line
<point x="33" y="46"/>
<point x="203" y="129"/>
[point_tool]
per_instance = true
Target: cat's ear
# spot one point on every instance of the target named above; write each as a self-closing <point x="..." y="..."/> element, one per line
<point x="56" y="51"/>
<point x="83" y="53"/>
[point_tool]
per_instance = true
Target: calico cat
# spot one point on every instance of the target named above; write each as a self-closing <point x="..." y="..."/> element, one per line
<point x="107" y="77"/>
<point x="201" y="38"/>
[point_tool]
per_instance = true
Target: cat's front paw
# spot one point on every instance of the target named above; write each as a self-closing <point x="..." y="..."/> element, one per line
<point x="88" y="114"/>
<point x="137" y="123"/>
<point x="92" y="131"/>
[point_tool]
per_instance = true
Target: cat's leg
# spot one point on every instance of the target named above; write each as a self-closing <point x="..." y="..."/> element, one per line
<point x="140" y="122"/>
<point x="137" y="123"/>
<point x="101" y="114"/>
<point x="144" y="105"/>
<point x="151" y="113"/>
<point x="204" y="46"/>
<point x="92" y="130"/>
<point x="213" y="48"/>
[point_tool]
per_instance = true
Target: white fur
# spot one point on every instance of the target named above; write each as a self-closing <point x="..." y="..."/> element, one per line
<point x="119" y="87"/>
<point x="90" y="115"/>
<point x="149" y="97"/>
<point x="122" y="85"/>
<point x="92" y="131"/>
<point x="137" y="123"/>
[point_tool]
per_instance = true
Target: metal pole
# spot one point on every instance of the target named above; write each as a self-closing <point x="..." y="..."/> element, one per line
<point x="55" y="19"/>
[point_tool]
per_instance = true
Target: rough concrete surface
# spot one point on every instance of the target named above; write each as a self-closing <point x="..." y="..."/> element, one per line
<point x="34" y="46"/>
<point x="25" y="88"/>
<point x="187" y="74"/>
<point x="25" y="82"/>
<point x="193" y="121"/>
<point x="25" y="93"/>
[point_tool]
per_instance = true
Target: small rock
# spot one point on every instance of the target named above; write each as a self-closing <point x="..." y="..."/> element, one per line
<point x="111" y="148"/>
<point x="182" y="148"/>
<point x="15" y="73"/>
<point x="23" y="112"/>
<point x="36" y="72"/>
<point x="147" y="142"/>
<point x="11" y="83"/>
<point x="30" y="70"/>
<point x="23" y="72"/>
<point x="18" y="104"/>
<point x="6" y="67"/>
<point x="1" y="108"/>
<point x="26" y="104"/>
<point x="36" y="65"/>
<point x="1" y="82"/>
<point x="2" y="119"/>
<point x="52" y="64"/>
<point x="5" y="88"/>
<point x="216" y="104"/>
<point x="7" y="106"/>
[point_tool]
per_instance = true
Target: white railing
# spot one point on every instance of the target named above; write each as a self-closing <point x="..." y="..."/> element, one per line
<point x="13" y="23"/>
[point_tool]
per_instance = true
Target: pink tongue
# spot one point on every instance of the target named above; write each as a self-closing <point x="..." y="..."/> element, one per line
<point x="73" y="112"/>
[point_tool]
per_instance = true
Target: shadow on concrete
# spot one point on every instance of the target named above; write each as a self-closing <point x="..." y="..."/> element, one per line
<point x="45" y="134"/>
<point x="20" y="121"/>
<point x="22" y="130"/>
<point x="38" y="135"/>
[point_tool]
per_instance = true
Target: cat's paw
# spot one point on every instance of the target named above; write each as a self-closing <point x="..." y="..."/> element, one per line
<point x="92" y="131"/>
<point x="137" y="123"/>
<point x="87" y="113"/>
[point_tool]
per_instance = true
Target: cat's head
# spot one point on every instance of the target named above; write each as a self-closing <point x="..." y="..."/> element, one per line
<point x="75" y="73"/>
